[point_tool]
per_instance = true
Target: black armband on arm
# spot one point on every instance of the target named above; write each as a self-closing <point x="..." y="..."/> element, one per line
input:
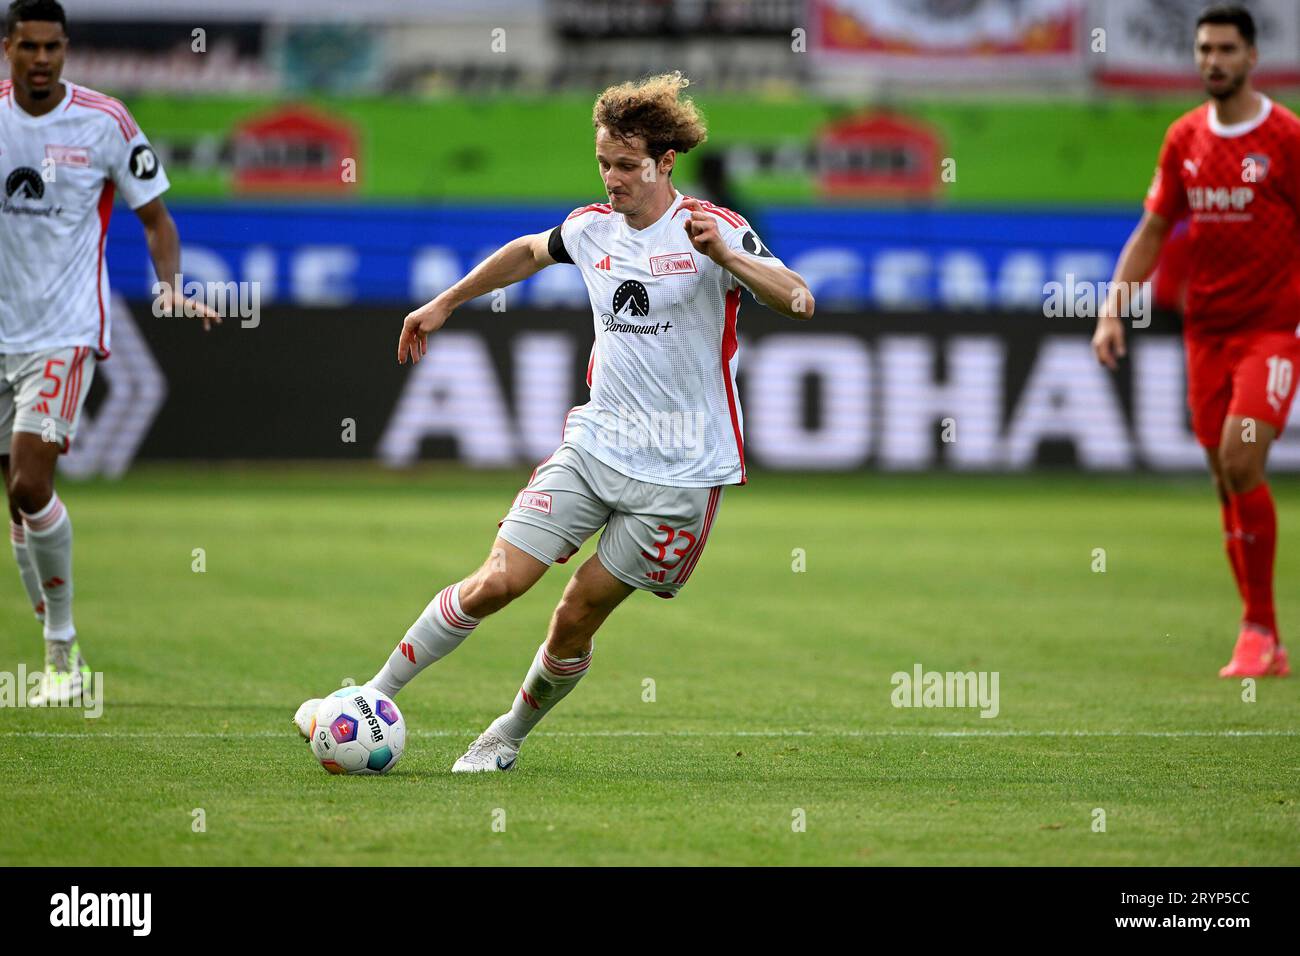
<point x="555" y="246"/>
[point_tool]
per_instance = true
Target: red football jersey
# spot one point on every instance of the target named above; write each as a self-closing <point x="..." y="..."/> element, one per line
<point x="1240" y="187"/>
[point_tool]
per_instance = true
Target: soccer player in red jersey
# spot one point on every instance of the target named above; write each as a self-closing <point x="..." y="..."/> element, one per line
<point x="1232" y="166"/>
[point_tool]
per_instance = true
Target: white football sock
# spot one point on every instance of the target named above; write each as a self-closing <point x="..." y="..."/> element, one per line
<point x="547" y="683"/>
<point x="49" y="541"/>
<point x="435" y="634"/>
<point x="27" y="568"/>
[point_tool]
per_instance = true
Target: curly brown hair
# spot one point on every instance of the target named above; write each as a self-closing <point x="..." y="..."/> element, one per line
<point x="654" y="109"/>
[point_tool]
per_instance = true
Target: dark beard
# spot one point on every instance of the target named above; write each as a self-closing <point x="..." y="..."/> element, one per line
<point x="40" y="94"/>
<point x="1228" y="93"/>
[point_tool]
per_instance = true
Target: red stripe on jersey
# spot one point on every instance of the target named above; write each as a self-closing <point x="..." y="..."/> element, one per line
<point x="726" y="215"/>
<point x="591" y="363"/>
<point x="113" y="107"/>
<point x="715" y="495"/>
<point x="118" y="112"/>
<point x="69" y="383"/>
<point x="732" y="217"/>
<point x="116" y="107"/>
<point x="729" y="347"/>
<point x="599" y="207"/>
<point x="72" y="384"/>
<point x="122" y="128"/>
<point x="81" y="381"/>
<point x="105" y="213"/>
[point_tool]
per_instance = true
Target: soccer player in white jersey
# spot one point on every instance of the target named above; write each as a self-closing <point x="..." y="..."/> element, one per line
<point x="64" y="150"/>
<point x="647" y="458"/>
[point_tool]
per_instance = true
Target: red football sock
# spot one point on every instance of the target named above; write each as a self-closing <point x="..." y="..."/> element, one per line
<point x="1232" y="544"/>
<point x="1257" y="521"/>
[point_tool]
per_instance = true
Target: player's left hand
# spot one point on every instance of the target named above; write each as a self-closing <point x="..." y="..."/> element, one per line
<point x="702" y="229"/>
<point x="174" y="303"/>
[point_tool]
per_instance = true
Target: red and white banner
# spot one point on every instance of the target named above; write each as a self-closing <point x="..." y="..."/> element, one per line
<point x="1149" y="44"/>
<point x="953" y="35"/>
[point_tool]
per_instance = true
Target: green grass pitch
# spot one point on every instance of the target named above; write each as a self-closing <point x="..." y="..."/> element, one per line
<point x="772" y="687"/>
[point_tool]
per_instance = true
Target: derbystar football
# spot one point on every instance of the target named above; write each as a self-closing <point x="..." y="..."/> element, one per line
<point x="358" y="730"/>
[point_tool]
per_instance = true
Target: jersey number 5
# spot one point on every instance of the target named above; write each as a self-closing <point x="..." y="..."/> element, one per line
<point x="51" y="377"/>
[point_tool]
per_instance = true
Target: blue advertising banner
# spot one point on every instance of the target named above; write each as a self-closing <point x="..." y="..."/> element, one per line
<point x="899" y="259"/>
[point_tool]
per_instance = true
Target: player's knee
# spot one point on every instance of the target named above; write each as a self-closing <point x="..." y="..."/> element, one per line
<point x="1239" y="469"/>
<point x="570" y="615"/>
<point x="487" y="591"/>
<point x="571" y="629"/>
<point x="29" y="492"/>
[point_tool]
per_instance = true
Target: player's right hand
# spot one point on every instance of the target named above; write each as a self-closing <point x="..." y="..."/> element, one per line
<point x="413" y="342"/>
<point x="1108" y="341"/>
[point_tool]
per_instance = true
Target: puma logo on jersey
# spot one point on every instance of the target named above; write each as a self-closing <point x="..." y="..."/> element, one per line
<point x="1190" y="166"/>
<point x="603" y="264"/>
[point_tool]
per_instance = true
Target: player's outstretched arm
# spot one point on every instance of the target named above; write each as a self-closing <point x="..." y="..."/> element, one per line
<point x="165" y="250"/>
<point x="1135" y="264"/>
<point x="513" y="262"/>
<point x="780" y="289"/>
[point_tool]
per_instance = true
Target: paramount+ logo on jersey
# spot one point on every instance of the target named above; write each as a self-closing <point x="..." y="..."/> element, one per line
<point x="631" y="301"/>
<point x="25" y="183"/>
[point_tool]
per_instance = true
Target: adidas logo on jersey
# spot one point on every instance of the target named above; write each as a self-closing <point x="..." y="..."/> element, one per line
<point x="604" y="264"/>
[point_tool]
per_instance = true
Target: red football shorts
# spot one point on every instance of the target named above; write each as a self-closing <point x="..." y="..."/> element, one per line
<point x="1250" y="374"/>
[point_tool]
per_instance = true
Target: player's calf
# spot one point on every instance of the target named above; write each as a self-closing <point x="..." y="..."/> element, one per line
<point x="31" y="578"/>
<point x="454" y="613"/>
<point x="558" y="665"/>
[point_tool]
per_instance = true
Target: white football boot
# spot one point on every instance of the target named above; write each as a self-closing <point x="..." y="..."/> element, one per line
<point x="490" y="752"/>
<point x="65" y="674"/>
<point x="305" y="714"/>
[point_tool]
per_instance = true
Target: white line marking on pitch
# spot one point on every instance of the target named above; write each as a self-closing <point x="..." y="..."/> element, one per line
<point x="268" y="734"/>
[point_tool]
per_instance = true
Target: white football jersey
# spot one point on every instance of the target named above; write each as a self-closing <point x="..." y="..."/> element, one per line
<point x="60" y="172"/>
<point x="664" y="406"/>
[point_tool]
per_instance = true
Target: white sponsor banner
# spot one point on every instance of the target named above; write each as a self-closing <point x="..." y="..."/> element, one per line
<point x="949" y="37"/>
<point x="1149" y="43"/>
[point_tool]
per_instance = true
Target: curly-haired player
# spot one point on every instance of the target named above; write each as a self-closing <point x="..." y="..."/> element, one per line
<point x="648" y="457"/>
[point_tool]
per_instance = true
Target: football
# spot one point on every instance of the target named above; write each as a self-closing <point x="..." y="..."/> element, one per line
<point x="358" y="730"/>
